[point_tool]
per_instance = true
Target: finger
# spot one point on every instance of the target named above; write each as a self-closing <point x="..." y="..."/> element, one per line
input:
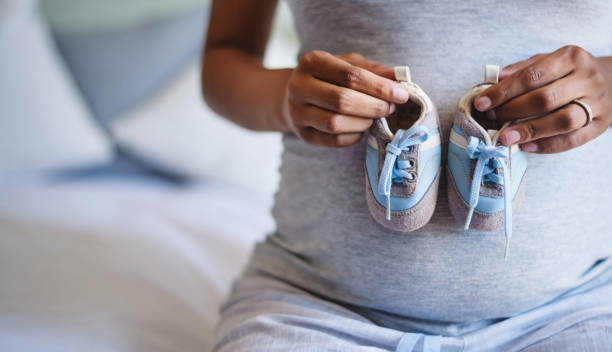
<point x="543" y="71"/>
<point x="564" y="142"/>
<point x="379" y="69"/>
<point x="363" y="80"/>
<point x="332" y="69"/>
<point x="512" y="68"/>
<point x="329" y="122"/>
<point x="567" y="119"/>
<point x="342" y="100"/>
<point x="544" y="99"/>
<point x="317" y="138"/>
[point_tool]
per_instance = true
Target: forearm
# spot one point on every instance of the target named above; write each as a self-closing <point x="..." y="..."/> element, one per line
<point x="237" y="86"/>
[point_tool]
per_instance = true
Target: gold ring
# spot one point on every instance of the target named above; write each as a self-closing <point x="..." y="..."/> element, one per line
<point x="586" y="109"/>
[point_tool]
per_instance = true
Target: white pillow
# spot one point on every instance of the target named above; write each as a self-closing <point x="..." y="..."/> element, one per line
<point x="44" y="123"/>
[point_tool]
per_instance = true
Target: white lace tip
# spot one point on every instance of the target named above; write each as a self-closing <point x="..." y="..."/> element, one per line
<point x="389" y="208"/>
<point x="468" y="220"/>
<point x="507" y="250"/>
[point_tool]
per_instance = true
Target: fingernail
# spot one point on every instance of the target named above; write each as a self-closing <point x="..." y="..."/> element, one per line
<point x="511" y="137"/>
<point x="490" y="114"/>
<point x="529" y="147"/>
<point x="400" y="93"/>
<point x="391" y="108"/>
<point x="483" y="103"/>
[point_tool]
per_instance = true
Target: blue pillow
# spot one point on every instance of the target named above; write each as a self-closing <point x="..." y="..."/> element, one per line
<point x="118" y="68"/>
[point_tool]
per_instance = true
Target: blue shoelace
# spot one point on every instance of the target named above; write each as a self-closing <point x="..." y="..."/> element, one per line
<point x="394" y="170"/>
<point x="490" y="158"/>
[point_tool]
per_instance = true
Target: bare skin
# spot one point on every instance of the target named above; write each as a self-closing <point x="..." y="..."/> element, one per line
<point x="330" y="100"/>
<point x="327" y="100"/>
<point x="544" y="85"/>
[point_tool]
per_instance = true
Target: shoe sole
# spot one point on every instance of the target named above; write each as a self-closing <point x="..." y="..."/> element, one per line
<point x="406" y="220"/>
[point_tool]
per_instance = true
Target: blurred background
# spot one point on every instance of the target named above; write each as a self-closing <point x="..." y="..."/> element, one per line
<point x="97" y="82"/>
<point x="127" y="206"/>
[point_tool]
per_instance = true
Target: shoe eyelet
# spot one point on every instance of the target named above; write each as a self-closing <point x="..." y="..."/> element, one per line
<point x="410" y="176"/>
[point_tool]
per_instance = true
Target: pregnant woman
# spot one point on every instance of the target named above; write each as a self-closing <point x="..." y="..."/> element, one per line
<point x="331" y="277"/>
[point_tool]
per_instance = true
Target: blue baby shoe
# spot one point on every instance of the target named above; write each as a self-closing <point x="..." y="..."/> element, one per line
<point x="486" y="180"/>
<point x="403" y="161"/>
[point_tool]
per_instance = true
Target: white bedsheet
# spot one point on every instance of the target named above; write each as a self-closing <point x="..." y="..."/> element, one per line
<point x="118" y="264"/>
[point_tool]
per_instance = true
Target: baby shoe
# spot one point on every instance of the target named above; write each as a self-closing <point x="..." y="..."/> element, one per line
<point x="485" y="179"/>
<point x="403" y="161"/>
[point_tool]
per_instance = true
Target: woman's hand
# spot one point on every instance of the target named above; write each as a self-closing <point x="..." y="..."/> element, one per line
<point x="330" y="100"/>
<point x="545" y="85"/>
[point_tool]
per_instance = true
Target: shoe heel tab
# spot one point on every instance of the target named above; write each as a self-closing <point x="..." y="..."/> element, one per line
<point x="402" y="74"/>
<point x="491" y="74"/>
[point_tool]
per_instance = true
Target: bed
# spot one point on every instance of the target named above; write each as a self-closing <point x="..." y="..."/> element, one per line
<point x="120" y="262"/>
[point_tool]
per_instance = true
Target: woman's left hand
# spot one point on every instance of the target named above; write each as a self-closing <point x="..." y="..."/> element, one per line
<point x="545" y="85"/>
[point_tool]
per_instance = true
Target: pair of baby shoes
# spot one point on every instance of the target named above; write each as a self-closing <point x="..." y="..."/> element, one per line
<point x="403" y="164"/>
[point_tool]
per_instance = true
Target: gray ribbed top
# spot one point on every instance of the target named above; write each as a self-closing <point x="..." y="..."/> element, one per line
<point x="327" y="241"/>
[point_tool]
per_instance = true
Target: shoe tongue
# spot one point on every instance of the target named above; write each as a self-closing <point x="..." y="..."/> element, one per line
<point x="380" y="130"/>
<point x="494" y="134"/>
<point x="473" y="129"/>
<point x="405" y="117"/>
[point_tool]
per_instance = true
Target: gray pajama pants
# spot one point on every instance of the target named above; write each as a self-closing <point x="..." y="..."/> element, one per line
<point x="266" y="314"/>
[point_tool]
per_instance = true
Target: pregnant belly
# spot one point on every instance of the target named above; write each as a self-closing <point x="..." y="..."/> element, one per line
<point x="327" y="242"/>
<point x="459" y="279"/>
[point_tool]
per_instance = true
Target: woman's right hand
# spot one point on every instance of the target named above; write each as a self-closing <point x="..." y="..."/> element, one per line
<point x="330" y="100"/>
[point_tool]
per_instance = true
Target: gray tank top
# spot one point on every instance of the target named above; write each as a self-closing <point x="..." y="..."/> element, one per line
<point x="326" y="241"/>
